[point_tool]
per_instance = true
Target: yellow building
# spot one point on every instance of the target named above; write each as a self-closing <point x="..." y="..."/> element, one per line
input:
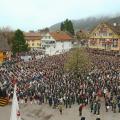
<point x="5" y="55"/>
<point x="105" y="37"/>
<point x="33" y="39"/>
<point x="1" y="57"/>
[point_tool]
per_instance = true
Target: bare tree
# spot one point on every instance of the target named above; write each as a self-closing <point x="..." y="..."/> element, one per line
<point x="78" y="62"/>
<point x="6" y="35"/>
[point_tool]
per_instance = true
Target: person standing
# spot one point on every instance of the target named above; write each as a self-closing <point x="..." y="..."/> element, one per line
<point x="60" y="108"/>
<point x="119" y="106"/>
<point x="107" y="105"/>
<point x="50" y="101"/>
<point x="80" y="109"/>
<point x="91" y="106"/>
<point x="98" y="107"/>
<point x="95" y="107"/>
<point x="31" y="99"/>
<point x="114" y="107"/>
<point x="26" y="99"/>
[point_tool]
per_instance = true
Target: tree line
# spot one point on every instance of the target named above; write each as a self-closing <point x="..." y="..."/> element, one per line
<point x="16" y="39"/>
<point x="13" y="39"/>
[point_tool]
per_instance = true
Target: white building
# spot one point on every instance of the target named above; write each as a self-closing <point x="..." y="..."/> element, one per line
<point x="56" y="42"/>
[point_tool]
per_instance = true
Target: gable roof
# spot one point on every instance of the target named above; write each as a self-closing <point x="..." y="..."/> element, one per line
<point x="61" y="36"/>
<point x="115" y="29"/>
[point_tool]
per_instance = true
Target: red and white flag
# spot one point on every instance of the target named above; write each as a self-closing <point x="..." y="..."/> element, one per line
<point x="15" y="113"/>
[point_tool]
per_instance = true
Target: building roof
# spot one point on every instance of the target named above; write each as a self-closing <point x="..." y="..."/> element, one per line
<point x="32" y="35"/>
<point x="82" y="33"/>
<point x="115" y="29"/>
<point x="61" y="36"/>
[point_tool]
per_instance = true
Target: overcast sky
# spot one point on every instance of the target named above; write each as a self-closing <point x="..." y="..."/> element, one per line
<point x="36" y="14"/>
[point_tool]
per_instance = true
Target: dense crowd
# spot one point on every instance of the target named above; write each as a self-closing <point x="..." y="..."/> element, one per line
<point x="45" y="81"/>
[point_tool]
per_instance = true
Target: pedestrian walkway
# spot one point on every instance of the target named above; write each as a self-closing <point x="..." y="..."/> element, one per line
<point x="44" y="112"/>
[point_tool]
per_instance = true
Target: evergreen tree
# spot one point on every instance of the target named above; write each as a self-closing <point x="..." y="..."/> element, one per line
<point x="71" y="29"/>
<point x="62" y="26"/>
<point x="67" y="26"/>
<point x="19" y="44"/>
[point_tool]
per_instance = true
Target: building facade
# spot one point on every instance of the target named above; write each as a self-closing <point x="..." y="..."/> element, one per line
<point x="105" y="37"/>
<point x="33" y="39"/>
<point x="54" y="42"/>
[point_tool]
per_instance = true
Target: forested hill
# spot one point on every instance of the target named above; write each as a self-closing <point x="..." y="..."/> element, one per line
<point x="88" y="23"/>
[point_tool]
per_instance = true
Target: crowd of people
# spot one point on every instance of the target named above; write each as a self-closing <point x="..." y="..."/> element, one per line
<point x="45" y="81"/>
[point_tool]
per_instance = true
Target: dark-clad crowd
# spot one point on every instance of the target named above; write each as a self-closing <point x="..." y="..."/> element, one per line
<point x="45" y="81"/>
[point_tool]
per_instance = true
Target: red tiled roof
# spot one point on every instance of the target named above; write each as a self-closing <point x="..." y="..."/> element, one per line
<point x="61" y="36"/>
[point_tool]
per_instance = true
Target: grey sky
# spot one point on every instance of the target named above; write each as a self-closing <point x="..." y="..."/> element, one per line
<point x="36" y="14"/>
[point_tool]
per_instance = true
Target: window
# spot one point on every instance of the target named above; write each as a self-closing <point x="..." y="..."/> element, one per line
<point x="105" y="34"/>
<point x="52" y="42"/>
<point x="45" y="37"/>
<point x="110" y="34"/>
<point x="38" y="44"/>
<point x="102" y="42"/>
<point x="32" y="44"/>
<point x="115" y="42"/>
<point x="93" y="42"/>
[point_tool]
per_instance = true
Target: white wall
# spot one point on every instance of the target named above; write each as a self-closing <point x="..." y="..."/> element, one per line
<point x="59" y="46"/>
<point x="46" y="37"/>
<point x="66" y="45"/>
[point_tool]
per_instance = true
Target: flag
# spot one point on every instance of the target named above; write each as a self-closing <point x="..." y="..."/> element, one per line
<point x="15" y="113"/>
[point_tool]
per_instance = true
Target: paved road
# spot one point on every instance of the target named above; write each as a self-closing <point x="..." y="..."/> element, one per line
<point x="44" y="112"/>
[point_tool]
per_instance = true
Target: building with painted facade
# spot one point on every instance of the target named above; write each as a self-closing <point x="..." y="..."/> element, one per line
<point x="33" y="39"/>
<point x="105" y="37"/>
